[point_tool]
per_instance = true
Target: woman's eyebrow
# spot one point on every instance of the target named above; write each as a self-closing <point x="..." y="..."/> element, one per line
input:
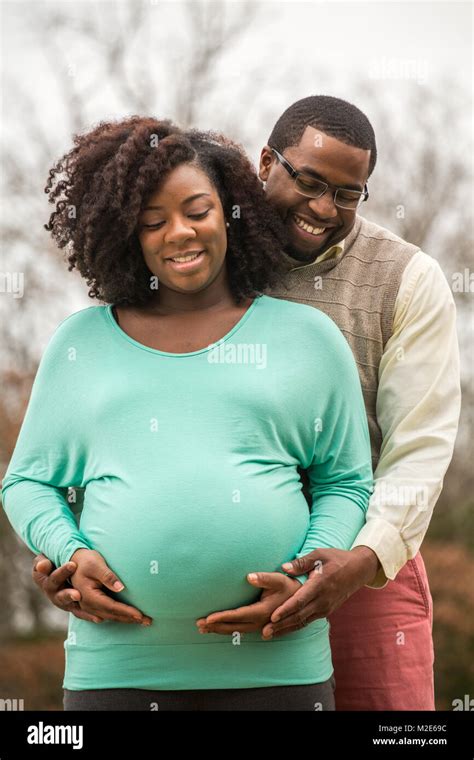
<point x="308" y="170"/>
<point x="186" y="200"/>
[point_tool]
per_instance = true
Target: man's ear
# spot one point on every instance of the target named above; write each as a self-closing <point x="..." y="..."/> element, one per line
<point x="266" y="161"/>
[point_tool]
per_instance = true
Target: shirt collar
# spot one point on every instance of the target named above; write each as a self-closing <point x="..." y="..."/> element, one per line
<point x="334" y="250"/>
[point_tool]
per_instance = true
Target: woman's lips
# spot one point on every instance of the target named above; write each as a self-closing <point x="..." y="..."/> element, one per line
<point x="187" y="266"/>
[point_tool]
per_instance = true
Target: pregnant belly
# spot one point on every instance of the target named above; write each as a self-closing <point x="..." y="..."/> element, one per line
<point x="185" y="556"/>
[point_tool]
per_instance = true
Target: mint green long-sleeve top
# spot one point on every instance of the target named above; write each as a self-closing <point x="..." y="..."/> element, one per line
<point x="189" y="468"/>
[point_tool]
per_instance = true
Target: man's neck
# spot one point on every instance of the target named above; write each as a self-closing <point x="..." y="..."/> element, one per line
<point x="333" y="250"/>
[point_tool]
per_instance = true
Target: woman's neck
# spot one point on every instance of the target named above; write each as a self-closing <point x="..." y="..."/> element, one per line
<point x="214" y="297"/>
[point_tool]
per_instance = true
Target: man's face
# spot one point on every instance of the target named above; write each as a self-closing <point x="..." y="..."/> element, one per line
<point x="329" y="160"/>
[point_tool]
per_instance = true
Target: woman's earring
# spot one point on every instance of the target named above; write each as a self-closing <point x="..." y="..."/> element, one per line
<point x="227" y="224"/>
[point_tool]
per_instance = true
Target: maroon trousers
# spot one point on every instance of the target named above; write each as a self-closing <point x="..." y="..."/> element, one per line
<point x="382" y="645"/>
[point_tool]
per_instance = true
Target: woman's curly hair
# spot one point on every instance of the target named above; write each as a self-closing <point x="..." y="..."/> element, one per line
<point x="102" y="184"/>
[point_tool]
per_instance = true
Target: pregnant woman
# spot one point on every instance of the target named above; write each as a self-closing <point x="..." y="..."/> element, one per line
<point x="184" y="405"/>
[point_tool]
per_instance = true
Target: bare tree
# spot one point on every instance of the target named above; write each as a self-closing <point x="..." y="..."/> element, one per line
<point x="115" y="58"/>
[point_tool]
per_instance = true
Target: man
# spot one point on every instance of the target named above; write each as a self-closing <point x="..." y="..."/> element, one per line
<point x="394" y="307"/>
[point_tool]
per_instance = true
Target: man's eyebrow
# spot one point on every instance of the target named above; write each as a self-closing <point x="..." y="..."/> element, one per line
<point x="309" y="170"/>
<point x="183" y="203"/>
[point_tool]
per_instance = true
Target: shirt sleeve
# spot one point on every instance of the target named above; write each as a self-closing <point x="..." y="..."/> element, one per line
<point x="49" y="457"/>
<point x="340" y="472"/>
<point x="418" y="407"/>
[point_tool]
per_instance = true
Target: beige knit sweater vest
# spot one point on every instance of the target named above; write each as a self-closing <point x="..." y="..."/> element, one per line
<point x="357" y="288"/>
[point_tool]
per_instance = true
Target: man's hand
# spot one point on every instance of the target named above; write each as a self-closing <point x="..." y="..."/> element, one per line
<point x="334" y="575"/>
<point x="84" y="599"/>
<point x="277" y="588"/>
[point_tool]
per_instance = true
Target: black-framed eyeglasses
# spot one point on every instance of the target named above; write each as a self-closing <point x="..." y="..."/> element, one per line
<point x="315" y="188"/>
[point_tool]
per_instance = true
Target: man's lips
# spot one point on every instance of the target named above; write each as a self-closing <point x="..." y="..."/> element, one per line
<point x="310" y="229"/>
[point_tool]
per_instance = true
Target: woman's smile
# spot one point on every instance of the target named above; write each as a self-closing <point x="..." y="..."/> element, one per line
<point x="186" y="262"/>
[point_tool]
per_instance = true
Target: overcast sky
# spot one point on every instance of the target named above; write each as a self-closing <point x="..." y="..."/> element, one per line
<point x="311" y="44"/>
<point x="291" y="49"/>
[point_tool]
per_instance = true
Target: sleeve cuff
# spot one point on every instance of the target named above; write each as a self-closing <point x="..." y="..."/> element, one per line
<point x="66" y="554"/>
<point x="301" y="578"/>
<point x="386" y="542"/>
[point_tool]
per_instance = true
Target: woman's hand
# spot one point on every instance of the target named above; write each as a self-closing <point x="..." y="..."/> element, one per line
<point x="277" y="589"/>
<point x="54" y="582"/>
<point x="91" y="575"/>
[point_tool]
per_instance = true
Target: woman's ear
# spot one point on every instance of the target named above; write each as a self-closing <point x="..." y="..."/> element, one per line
<point x="266" y="161"/>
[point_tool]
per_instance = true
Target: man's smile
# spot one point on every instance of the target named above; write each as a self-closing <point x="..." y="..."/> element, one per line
<point x="315" y="229"/>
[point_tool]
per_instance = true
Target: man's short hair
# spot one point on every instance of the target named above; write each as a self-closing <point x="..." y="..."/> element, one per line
<point x="333" y="116"/>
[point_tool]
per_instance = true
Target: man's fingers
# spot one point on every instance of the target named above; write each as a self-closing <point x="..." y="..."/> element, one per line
<point x="66" y="596"/>
<point x="306" y="564"/>
<point x="42" y="565"/>
<point x="67" y="600"/>
<point x="300" y="599"/>
<point x="283" y="632"/>
<point x="298" y="620"/>
<point x="58" y="577"/>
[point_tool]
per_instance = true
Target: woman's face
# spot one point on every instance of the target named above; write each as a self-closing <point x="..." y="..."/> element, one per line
<point x="182" y="231"/>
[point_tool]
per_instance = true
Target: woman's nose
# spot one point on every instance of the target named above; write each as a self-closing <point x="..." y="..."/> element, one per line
<point x="179" y="230"/>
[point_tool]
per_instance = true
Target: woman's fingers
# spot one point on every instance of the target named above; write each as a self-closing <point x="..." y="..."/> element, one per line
<point x="271" y="581"/>
<point x="85" y="616"/>
<point x="252" y="613"/>
<point x="98" y="603"/>
<point x="107" y="577"/>
<point x="75" y="610"/>
<point x="229" y="628"/>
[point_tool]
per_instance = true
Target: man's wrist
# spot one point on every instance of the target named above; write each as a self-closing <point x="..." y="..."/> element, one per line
<point x="368" y="561"/>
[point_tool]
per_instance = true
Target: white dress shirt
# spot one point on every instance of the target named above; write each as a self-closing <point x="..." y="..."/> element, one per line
<point x="418" y="407"/>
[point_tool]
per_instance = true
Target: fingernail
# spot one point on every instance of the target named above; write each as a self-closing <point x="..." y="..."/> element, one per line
<point x="288" y="566"/>
<point x="118" y="586"/>
<point x="252" y="576"/>
<point x="276" y="618"/>
<point x="70" y="566"/>
<point x="146" y="623"/>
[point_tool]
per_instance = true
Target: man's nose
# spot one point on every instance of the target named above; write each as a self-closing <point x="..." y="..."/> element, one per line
<point x="323" y="207"/>
<point x="179" y="229"/>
